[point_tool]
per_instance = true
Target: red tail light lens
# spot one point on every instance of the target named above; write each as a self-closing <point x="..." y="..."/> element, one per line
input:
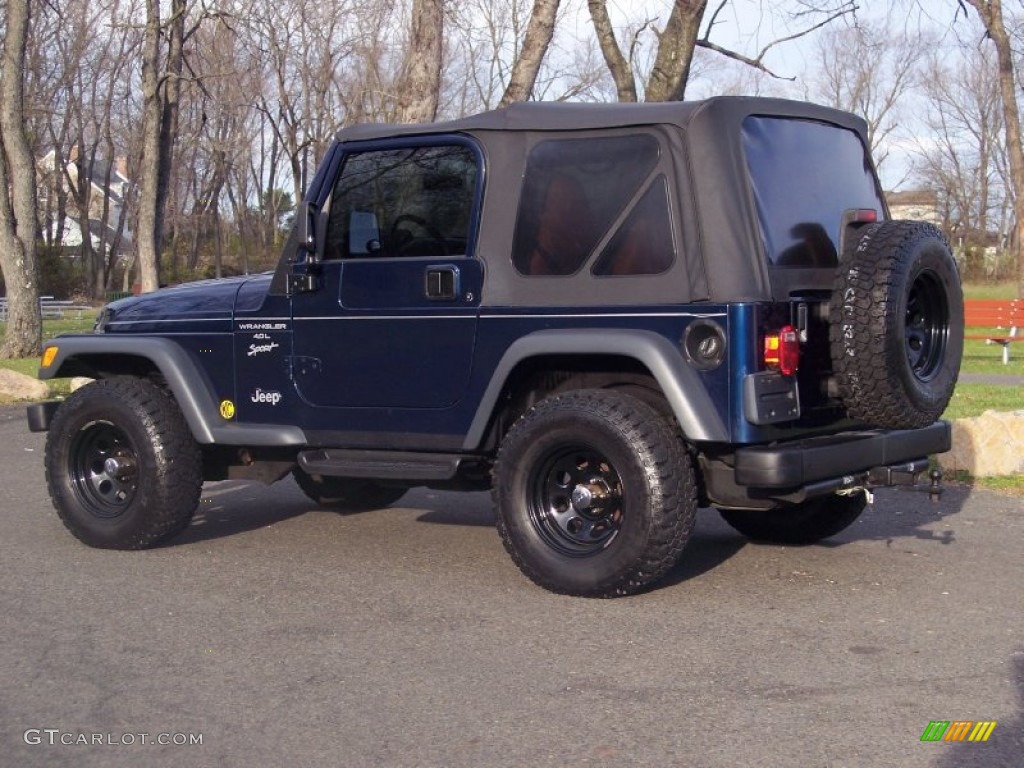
<point x="782" y="350"/>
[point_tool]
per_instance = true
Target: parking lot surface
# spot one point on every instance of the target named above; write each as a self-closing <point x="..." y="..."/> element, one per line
<point x="283" y="634"/>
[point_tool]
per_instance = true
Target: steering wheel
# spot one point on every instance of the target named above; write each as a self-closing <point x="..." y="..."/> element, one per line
<point x="434" y="233"/>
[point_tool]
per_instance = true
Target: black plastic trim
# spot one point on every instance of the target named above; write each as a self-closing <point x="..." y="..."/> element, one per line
<point x="681" y="383"/>
<point x="798" y="463"/>
<point x="380" y="465"/>
<point x="189" y="384"/>
<point x="40" y="414"/>
<point x="770" y="398"/>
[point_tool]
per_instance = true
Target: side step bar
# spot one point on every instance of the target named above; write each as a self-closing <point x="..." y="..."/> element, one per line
<point x="380" y="465"/>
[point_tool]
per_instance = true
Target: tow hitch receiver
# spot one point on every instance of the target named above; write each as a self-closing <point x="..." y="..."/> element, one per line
<point x="908" y="475"/>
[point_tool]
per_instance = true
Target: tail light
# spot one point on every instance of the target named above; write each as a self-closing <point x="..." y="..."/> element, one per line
<point x="782" y="350"/>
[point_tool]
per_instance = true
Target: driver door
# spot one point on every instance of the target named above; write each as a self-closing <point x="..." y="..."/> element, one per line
<point x="392" y="322"/>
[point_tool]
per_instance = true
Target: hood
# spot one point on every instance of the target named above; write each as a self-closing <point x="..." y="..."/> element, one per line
<point x="203" y="301"/>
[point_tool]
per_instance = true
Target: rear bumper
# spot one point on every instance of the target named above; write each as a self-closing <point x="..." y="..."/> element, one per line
<point x="832" y="458"/>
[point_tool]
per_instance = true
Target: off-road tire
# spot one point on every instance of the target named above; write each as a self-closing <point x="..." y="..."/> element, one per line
<point x="150" y="491"/>
<point x="799" y="524"/>
<point x="896" y="325"/>
<point x="347" y="494"/>
<point x="595" y="494"/>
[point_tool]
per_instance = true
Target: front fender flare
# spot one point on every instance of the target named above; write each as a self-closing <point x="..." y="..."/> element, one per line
<point x="186" y="380"/>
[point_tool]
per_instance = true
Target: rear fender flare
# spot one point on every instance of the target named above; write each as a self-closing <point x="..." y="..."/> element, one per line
<point x="679" y="382"/>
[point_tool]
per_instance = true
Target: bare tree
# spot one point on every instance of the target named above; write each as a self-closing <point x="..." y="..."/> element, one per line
<point x="420" y="86"/>
<point x="681" y="34"/>
<point x="161" y="88"/>
<point x="17" y="195"/>
<point x="991" y="14"/>
<point x="962" y="153"/>
<point x="93" y="54"/>
<point x="868" y="69"/>
<point x="497" y="53"/>
<point x="304" y="49"/>
<point x="535" y="45"/>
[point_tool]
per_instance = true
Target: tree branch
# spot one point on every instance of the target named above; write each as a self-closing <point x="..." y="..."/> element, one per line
<point x="713" y="20"/>
<point x="758" y="61"/>
<point x="729" y="54"/>
<point x="851" y="8"/>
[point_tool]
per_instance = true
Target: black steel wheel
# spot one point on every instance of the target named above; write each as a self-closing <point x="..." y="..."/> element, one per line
<point x="799" y="524"/>
<point x="896" y="325"/>
<point x="574" y="500"/>
<point x="122" y="467"/>
<point x="926" y="326"/>
<point x="103" y="469"/>
<point x="595" y="494"/>
<point x="347" y="494"/>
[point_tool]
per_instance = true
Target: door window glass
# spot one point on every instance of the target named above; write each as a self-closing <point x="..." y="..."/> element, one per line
<point x="412" y="201"/>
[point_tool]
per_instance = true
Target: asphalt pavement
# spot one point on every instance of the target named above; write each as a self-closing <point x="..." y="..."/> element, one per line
<point x="280" y="634"/>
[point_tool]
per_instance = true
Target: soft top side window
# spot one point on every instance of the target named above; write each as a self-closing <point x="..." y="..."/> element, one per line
<point x="573" y="190"/>
<point x="643" y="243"/>
<point x="408" y="201"/>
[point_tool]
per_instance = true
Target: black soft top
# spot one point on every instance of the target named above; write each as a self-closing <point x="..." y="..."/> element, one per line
<point x="721" y="249"/>
<point x="560" y="116"/>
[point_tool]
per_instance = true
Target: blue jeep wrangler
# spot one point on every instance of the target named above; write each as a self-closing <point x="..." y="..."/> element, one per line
<point x="610" y="315"/>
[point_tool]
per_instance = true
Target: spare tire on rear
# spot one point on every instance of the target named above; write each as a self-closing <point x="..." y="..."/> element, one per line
<point x="896" y="325"/>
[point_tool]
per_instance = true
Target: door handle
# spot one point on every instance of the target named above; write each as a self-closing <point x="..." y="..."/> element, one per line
<point x="442" y="283"/>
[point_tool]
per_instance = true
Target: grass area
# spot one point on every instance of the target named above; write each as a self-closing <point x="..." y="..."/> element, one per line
<point x="1011" y="485"/>
<point x="974" y="399"/>
<point x="53" y="328"/>
<point x="25" y="365"/>
<point x="980" y="357"/>
<point x="1006" y="289"/>
<point x="30" y="365"/>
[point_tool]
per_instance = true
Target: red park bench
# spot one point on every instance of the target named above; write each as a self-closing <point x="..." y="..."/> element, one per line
<point x="995" y="314"/>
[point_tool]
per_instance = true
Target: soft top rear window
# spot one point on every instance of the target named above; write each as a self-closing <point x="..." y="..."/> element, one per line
<point x="805" y="175"/>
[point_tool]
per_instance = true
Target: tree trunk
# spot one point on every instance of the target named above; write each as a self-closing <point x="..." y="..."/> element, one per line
<point x="420" y="87"/>
<point x="160" y="97"/>
<point x="676" y="43"/>
<point x="991" y="13"/>
<point x="618" y="65"/>
<point x="171" y="97"/>
<point x="535" y="45"/>
<point x="675" y="52"/>
<point x="147" y="240"/>
<point x="17" y="196"/>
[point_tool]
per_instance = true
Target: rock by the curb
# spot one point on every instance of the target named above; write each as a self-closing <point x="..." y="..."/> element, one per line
<point x="18" y="386"/>
<point x="77" y="382"/>
<point x="988" y="445"/>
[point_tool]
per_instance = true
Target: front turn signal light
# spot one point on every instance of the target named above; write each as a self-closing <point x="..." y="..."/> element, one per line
<point x="49" y="355"/>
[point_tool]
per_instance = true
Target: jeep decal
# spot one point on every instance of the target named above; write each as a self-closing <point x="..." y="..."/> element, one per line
<point x="271" y="397"/>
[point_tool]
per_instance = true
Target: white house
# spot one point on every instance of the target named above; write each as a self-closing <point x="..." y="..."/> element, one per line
<point x="109" y="182"/>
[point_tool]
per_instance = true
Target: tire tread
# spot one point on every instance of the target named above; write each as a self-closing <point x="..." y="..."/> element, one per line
<point x="673" y="508"/>
<point x="170" y="500"/>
